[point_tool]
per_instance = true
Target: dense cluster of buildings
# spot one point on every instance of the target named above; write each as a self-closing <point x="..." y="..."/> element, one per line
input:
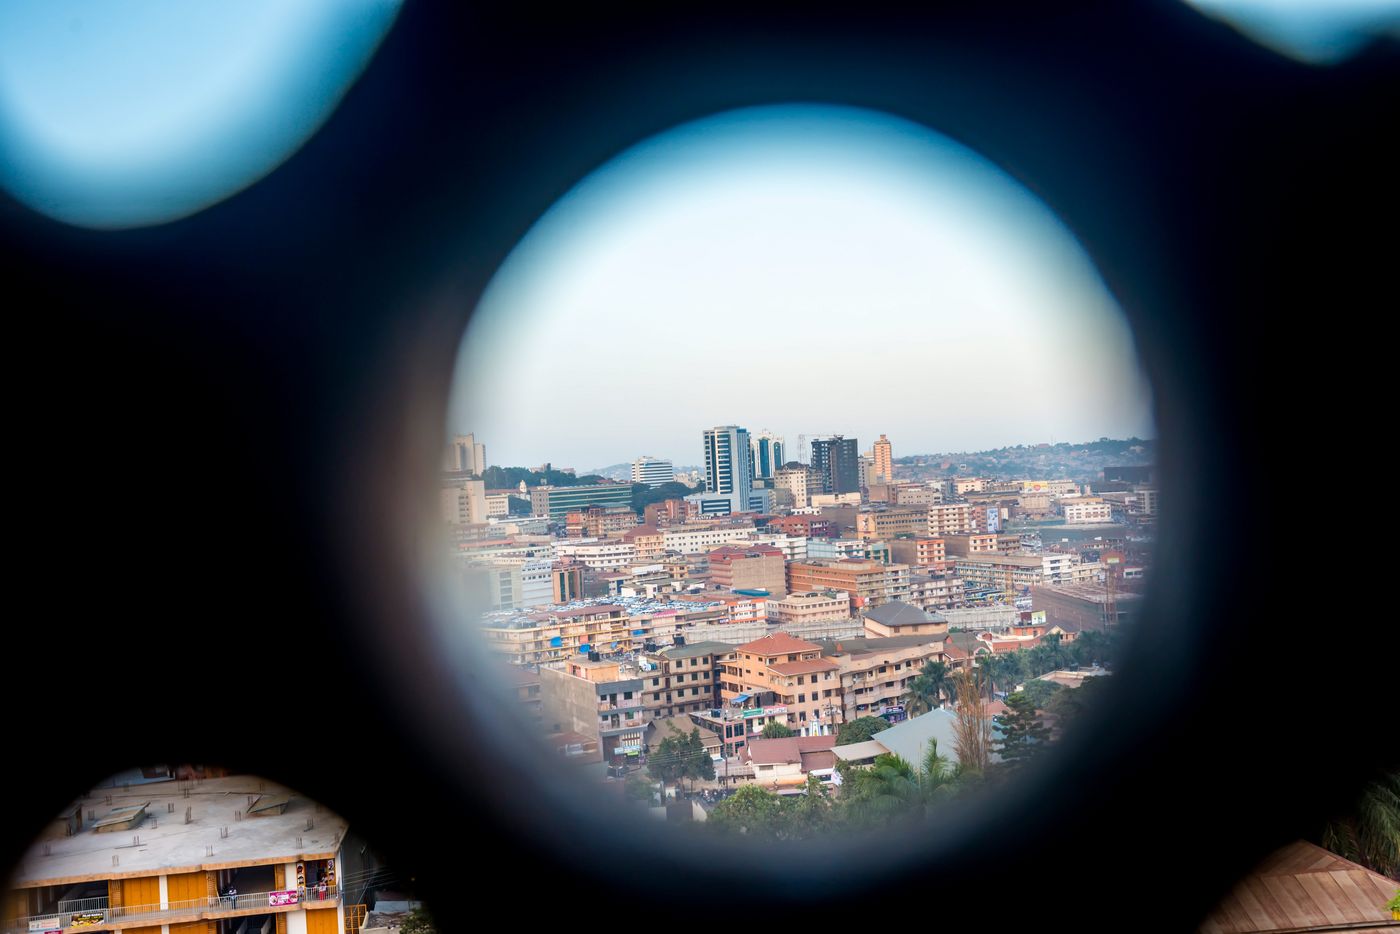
<point x="802" y="593"/>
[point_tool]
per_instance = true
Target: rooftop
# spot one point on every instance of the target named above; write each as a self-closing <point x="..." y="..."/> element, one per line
<point x="163" y="842"/>
<point x="1303" y="887"/>
<point x="896" y="613"/>
<point x="779" y="643"/>
<point x="789" y="750"/>
<point x="803" y="667"/>
<point x="696" y="649"/>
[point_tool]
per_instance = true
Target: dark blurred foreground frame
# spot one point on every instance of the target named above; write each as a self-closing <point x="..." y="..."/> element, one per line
<point x="223" y="424"/>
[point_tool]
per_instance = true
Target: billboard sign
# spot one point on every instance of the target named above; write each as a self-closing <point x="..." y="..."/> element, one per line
<point x="1038" y="618"/>
<point x="278" y="899"/>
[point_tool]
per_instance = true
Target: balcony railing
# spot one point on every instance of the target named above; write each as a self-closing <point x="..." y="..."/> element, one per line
<point x="90" y="913"/>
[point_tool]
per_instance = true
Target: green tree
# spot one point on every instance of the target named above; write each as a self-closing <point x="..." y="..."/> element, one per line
<point x="639" y="789"/>
<point x="811" y="812"/>
<point x="926" y="689"/>
<point x="679" y="757"/>
<point x="1040" y="691"/>
<point x="776" y="730"/>
<point x="1370" y="834"/>
<point x="418" y="922"/>
<point x="644" y="495"/>
<point x="1023" y="736"/>
<point x="752" y="811"/>
<point x="1071" y="702"/>
<point x="860" y="730"/>
<point x="884" y="793"/>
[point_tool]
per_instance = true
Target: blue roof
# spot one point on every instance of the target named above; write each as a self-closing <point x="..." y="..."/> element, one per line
<point x="740" y="698"/>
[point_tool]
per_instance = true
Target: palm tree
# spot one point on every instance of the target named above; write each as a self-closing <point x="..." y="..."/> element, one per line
<point x="925" y="690"/>
<point x="1370" y="834"/>
<point x="887" y="791"/>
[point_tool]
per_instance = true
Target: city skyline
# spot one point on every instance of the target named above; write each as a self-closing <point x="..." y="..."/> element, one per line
<point x="819" y="270"/>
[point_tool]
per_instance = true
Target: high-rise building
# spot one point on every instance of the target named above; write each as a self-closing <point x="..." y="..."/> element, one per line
<point x="652" y="471"/>
<point x="837" y="461"/>
<point x="767" y="454"/>
<point x="884" y="462"/>
<point x="464" y="455"/>
<point x="728" y="471"/>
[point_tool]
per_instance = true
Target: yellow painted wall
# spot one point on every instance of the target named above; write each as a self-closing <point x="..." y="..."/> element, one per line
<point x="194" y="927"/>
<point x="150" y="930"/>
<point x="142" y="891"/>
<point x="323" y="922"/>
<point x="186" y="886"/>
<point x="16" y="905"/>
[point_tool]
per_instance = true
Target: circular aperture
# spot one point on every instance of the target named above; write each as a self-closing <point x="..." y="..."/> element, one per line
<point x="799" y="481"/>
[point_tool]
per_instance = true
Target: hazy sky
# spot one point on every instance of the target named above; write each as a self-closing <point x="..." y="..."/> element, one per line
<point x="806" y="269"/>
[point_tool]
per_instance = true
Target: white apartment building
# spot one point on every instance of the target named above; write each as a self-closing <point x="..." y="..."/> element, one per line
<point x="1090" y="513"/>
<point x="652" y="471"/>
<point x="950" y="519"/>
<point x="601" y="554"/>
<point x="693" y="541"/>
<point x="793" y="547"/>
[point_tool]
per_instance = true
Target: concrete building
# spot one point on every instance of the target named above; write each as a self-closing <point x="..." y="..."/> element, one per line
<point x="599" y="522"/>
<point x="898" y="618"/>
<point x="649" y="541"/>
<point x="836" y="461"/>
<point x="782" y="766"/>
<point x="1058" y="568"/>
<point x="556" y="502"/>
<point x="601" y="554"/>
<point x="924" y="553"/>
<point x="84" y="873"/>
<point x="892" y="523"/>
<point x="993" y="570"/>
<point x="682" y="679"/>
<point x="840" y="548"/>
<point x="1087" y="511"/>
<point x="949" y="519"/>
<point x="913" y="494"/>
<point x="935" y="591"/>
<point x="983" y="543"/>
<point x="965" y="485"/>
<point x="882" y="471"/>
<point x="869" y="583"/>
<point x="811" y="607"/>
<point x="513" y="584"/>
<point x="800" y="481"/>
<point x="601" y="700"/>
<point x="728" y="471"/>
<point x="767" y="455"/>
<point x="749" y="567"/>
<point x="875" y="672"/>
<point x="794" y="673"/>
<point x="652" y="471"/>
<point x="465" y="455"/>
<point x="793" y="547"/>
<point x="697" y="539"/>
<point x="464" y="503"/>
<point x="1078" y="607"/>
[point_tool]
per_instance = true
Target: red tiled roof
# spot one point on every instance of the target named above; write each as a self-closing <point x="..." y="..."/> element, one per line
<point x="790" y="749"/>
<point x="779" y="643"/>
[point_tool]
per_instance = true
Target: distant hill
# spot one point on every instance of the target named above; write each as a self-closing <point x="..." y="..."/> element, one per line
<point x="1084" y="460"/>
